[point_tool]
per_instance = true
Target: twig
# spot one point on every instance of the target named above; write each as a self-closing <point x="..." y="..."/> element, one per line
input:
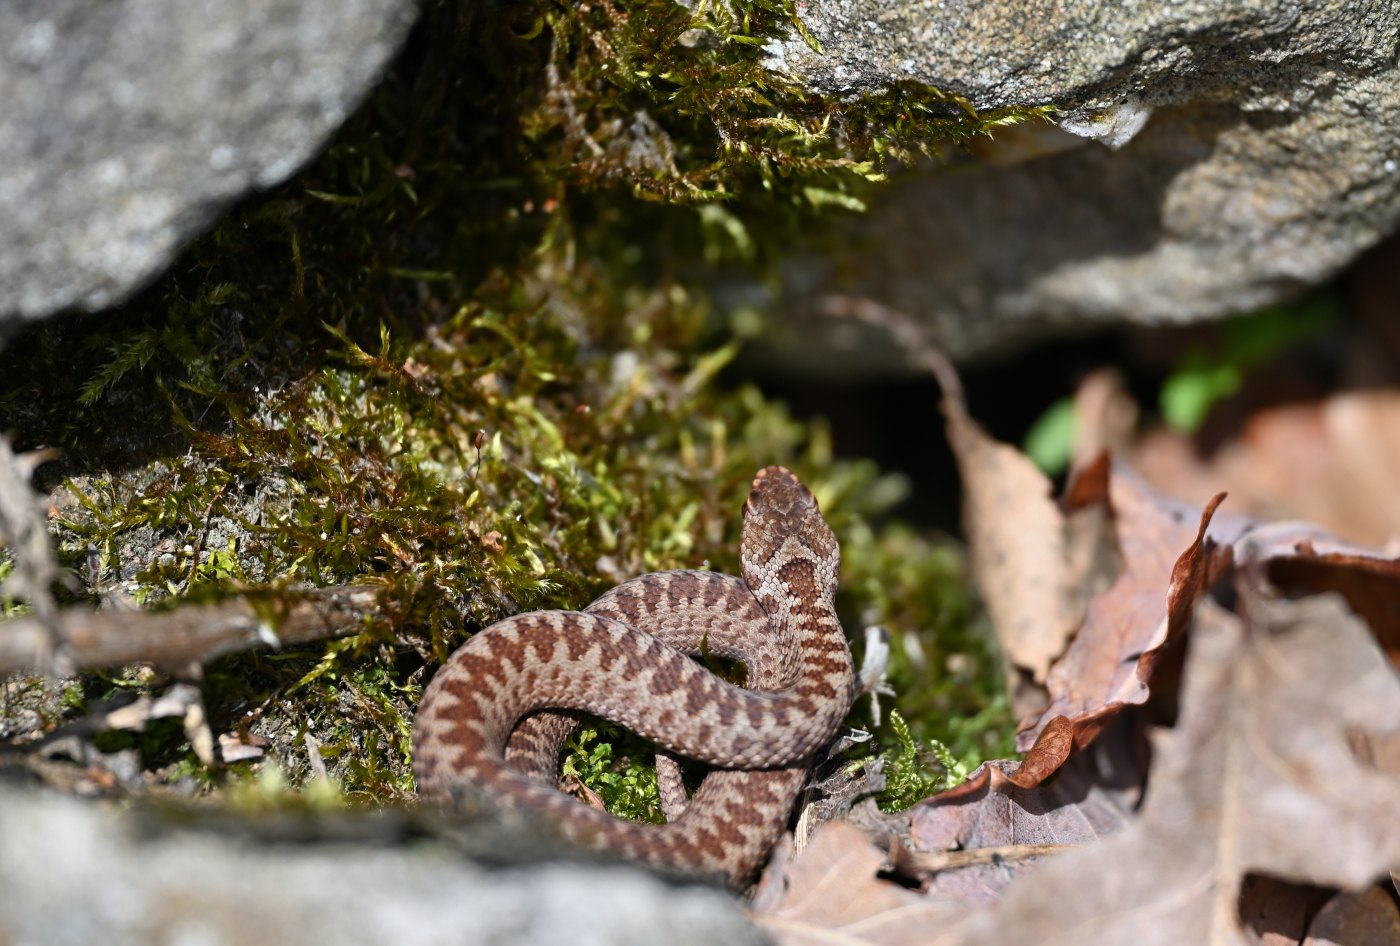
<point x="951" y="860"/>
<point x="185" y="639"/>
<point x="24" y="530"/>
<point x="313" y="756"/>
<point x="575" y="784"/>
<point x="907" y="333"/>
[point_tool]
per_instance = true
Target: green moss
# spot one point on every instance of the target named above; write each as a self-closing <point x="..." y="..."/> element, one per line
<point x="456" y="358"/>
<point x="9" y="607"/>
<point x="618" y="766"/>
<point x="949" y="685"/>
<point x="915" y="772"/>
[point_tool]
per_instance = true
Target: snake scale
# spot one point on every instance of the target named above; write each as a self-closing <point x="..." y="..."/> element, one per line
<point x="493" y="718"/>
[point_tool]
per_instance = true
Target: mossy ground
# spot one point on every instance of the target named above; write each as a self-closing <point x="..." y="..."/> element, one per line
<point x="467" y="356"/>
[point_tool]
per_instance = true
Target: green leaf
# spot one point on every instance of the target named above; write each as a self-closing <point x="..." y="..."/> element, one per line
<point x="1050" y="441"/>
<point x="1189" y="394"/>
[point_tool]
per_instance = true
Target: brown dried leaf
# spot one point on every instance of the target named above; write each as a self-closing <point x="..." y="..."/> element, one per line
<point x="1051" y="749"/>
<point x="1333" y="463"/>
<point x="1304" y="559"/>
<point x="1093" y="555"/>
<point x="1258" y="776"/>
<point x="990" y="811"/>
<point x="833" y="896"/>
<point x="241" y="747"/>
<point x="1277" y="912"/>
<point x="1016" y="536"/>
<point x="1105" y="415"/>
<point x="1169" y="560"/>
<point x="1368" y="918"/>
<point x="1016" y="533"/>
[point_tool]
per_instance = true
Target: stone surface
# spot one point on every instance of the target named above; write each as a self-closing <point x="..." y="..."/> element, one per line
<point x="71" y="873"/>
<point x="127" y="125"/>
<point x="1245" y="151"/>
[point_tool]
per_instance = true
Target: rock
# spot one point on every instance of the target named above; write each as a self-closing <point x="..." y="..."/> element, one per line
<point x="1245" y="151"/>
<point x="126" y="126"/>
<point x="73" y="874"/>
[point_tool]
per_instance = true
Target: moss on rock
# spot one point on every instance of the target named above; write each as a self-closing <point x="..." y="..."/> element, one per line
<point x="432" y="362"/>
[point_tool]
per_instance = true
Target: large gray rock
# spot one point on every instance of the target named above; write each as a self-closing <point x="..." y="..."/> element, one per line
<point x="72" y="875"/>
<point x="1246" y="149"/>
<point x="127" y="125"/>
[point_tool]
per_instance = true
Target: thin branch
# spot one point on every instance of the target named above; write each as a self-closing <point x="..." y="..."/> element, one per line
<point x="908" y="333"/>
<point x="185" y="639"/>
<point x="24" y="530"/>
<point x="951" y="860"/>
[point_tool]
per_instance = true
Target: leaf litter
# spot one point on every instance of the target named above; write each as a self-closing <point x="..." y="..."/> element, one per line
<point x="1274" y="784"/>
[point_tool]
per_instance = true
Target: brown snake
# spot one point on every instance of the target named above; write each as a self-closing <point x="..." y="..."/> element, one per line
<point x="625" y="658"/>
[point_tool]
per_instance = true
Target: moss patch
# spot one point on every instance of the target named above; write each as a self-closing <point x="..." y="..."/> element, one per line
<point x="465" y="356"/>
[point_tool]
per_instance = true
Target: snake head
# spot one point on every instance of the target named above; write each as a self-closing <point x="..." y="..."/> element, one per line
<point x="780" y="509"/>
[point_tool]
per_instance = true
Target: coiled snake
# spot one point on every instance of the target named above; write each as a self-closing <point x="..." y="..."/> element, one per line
<point x="495" y="716"/>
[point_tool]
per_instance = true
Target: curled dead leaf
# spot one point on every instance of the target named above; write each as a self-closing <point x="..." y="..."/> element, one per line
<point x="1105" y="415"/>
<point x="1169" y="560"/>
<point x="1257" y="777"/>
<point x="1300" y="558"/>
<point x="1051" y="749"/>
<point x="1091" y="799"/>
<point x="1017" y="543"/>
<point x="1331" y="462"/>
<point x="1017" y="536"/>
<point x="1356" y="919"/>
<point x="833" y="895"/>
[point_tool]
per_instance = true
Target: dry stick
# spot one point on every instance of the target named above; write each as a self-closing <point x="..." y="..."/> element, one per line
<point x="907" y="333"/>
<point x="951" y="860"/>
<point x="575" y="784"/>
<point x="185" y="639"/>
<point x="24" y="529"/>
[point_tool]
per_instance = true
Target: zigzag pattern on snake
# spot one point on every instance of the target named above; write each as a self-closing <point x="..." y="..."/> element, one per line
<point x="480" y="727"/>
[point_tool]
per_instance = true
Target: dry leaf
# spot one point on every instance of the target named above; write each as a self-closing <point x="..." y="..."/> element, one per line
<point x="1016" y="533"/>
<point x="1092" y="799"/>
<point x="240" y="747"/>
<point x="1277" y="912"/>
<point x="1051" y="748"/>
<point x="1258" y="776"/>
<point x="833" y="896"/>
<point x="1105" y="415"/>
<point x="1368" y="918"/>
<point x="1169" y="560"/>
<point x="1334" y="463"/>
<point x="1016" y="537"/>
<point x="1304" y="559"/>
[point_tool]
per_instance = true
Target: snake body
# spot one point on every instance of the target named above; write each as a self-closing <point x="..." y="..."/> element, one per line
<point x="494" y="716"/>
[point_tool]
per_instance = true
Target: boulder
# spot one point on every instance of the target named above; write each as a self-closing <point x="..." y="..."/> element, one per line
<point x="1208" y="157"/>
<point x="71" y="873"/>
<point x="126" y="126"/>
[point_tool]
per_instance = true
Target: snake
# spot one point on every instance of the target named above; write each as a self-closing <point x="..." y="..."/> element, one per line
<point x="494" y="716"/>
